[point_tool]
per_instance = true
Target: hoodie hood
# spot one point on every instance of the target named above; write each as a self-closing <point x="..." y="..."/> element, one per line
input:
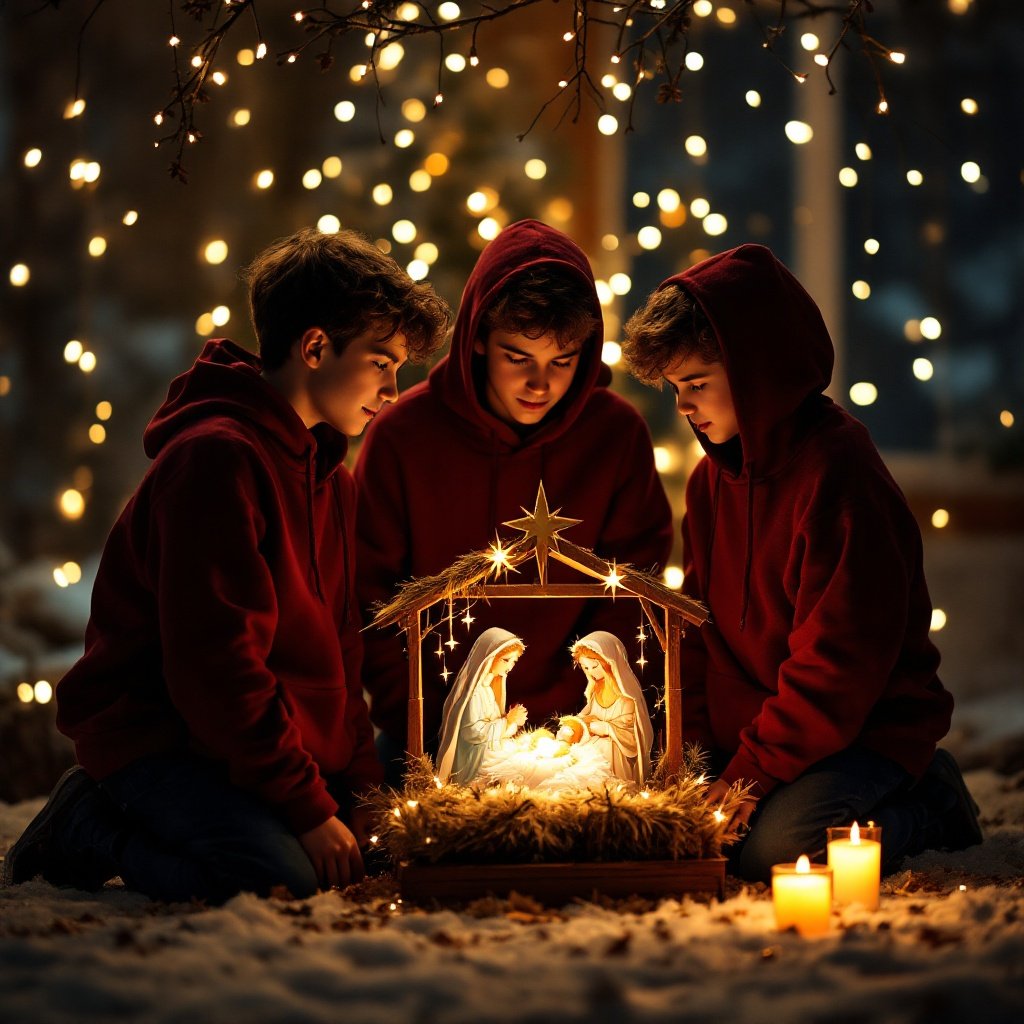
<point x="776" y="350"/>
<point x="522" y="246"/>
<point x="226" y="381"/>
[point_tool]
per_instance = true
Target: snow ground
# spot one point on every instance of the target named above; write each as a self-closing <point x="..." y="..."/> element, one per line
<point x="945" y="947"/>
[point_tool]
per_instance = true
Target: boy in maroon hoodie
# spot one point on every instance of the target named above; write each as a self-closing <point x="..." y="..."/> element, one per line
<point x="816" y="680"/>
<point x="217" y="713"/>
<point x="521" y="398"/>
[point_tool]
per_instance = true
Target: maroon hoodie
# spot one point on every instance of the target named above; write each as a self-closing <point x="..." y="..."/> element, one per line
<point x="222" y="617"/>
<point x="438" y="473"/>
<point x="805" y="551"/>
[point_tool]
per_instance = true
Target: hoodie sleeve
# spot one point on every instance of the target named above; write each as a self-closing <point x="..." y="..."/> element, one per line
<point x="382" y="560"/>
<point x="218" y="613"/>
<point x="853" y="582"/>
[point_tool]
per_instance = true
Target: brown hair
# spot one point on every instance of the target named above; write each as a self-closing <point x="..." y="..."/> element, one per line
<point x="544" y="300"/>
<point x="671" y="326"/>
<point x="343" y="284"/>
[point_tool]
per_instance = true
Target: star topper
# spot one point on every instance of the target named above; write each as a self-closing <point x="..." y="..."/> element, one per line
<point x="543" y="526"/>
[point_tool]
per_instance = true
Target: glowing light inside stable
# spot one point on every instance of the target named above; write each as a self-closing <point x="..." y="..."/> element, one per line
<point x="404" y="138"/>
<point x="871" y="246"/>
<point x="240" y="117"/>
<point x="403" y="231"/>
<point x="204" y="325"/>
<point x="969" y="106"/>
<point x="940" y="518"/>
<point x="220" y="315"/>
<point x="861" y="290"/>
<point x="497" y="78"/>
<point x="611" y="353"/>
<point x="897" y="57"/>
<point x="448" y="11"/>
<point x="216" y="251"/>
<point x="931" y="328"/>
<point x="863" y="393"/>
<point x="605" y="295"/>
<point x="261" y="51"/>
<point x="72" y="504"/>
<point x="382" y="194"/>
<point x="863" y="151"/>
<point x="696" y="145"/>
<point x="673" y="577"/>
<point x="715" y="224"/>
<point x="939" y="620"/>
<point x="312" y="179"/>
<point x="1006" y="418"/>
<point x="130" y="218"/>
<point x="417" y="269"/>
<point x="25" y="693"/>
<point x="621" y="91"/>
<point x="700" y="208"/>
<point x="328" y="224"/>
<point x="32" y="157"/>
<point x="959" y="7"/>
<point x="436" y="164"/>
<point x="331" y="167"/>
<point x="535" y="169"/>
<point x="74" y="109"/>
<point x="923" y="369"/>
<point x="620" y="283"/>
<point x="648" y="237"/>
<point x="693" y="61"/>
<point x="345" y="110"/>
<point x="19" y="275"/>
<point x="43" y="692"/>
<point x="97" y="433"/>
<point x="847" y="177"/>
<point x="726" y="15"/>
<point x="753" y="98"/>
<point x="246" y="58"/>
<point x="607" y="124"/>
<point x="73" y="351"/>
<point x="420" y="180"/>
<point x="104" y="410"/>
<point x="455" y="62"/>
<point x="641" y="200"/>
<point x="799" y="132"/>
<point x="264" y="179"/>
<point x="914" y="177"/>
<point x="87" y="363"/>
<point x="663" y="461"/>
<point x="409" y="12"/>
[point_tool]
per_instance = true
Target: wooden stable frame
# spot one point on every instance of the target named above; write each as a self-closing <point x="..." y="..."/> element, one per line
<point x="554" y="882"/>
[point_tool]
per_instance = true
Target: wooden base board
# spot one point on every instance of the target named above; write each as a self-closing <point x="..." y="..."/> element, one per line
<point x="556" y="884"/>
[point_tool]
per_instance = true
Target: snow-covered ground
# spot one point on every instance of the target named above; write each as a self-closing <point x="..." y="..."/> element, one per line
<point x="945" y="947"/>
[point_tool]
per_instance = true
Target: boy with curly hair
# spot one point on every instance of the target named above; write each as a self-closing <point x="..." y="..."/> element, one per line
<point x="816" y="680"/>
<point x="218" y="713"/>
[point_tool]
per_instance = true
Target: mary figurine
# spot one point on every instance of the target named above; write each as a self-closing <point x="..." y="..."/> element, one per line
<point x="475" y="723"/>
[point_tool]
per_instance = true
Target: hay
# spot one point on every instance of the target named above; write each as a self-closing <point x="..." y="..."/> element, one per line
<point x="430" y="823"/>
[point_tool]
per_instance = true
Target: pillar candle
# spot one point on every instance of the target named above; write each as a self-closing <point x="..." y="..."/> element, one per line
<point x="802" y="896"/>
<point x="855" y="857"/>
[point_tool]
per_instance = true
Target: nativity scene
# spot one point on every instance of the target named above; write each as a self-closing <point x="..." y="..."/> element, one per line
<point x="590" y="799"/>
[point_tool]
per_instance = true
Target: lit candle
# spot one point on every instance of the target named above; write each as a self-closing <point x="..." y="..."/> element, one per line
<point x="855" y="857"/>
<point x="802" y="896"/>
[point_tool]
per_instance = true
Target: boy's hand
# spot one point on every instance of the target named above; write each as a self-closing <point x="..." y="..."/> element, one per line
<point x="717" y="792"/>
<point x="334" y="853"/>
<point x="362" y="824"/>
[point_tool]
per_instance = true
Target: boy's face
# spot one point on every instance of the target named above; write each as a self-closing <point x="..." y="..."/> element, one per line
<point x="347" y="390"/>
<point x="526" y="377"/>
<point x="704" y="398"/>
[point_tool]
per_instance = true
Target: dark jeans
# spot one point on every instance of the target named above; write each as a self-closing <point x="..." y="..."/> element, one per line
<point x="175" y="828"/>
<point x="853" y="785"/>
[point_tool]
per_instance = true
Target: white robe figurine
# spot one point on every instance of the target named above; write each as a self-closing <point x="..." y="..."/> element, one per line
<point x="615" y="716"/>
<point x="475" y="724"/>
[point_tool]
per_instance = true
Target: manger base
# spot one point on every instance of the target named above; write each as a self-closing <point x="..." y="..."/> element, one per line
<point x="556" y="884"/>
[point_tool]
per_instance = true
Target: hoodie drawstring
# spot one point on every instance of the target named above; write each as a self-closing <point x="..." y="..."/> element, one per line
<point x="311" y="525"/>
<point x="748" y="560"/>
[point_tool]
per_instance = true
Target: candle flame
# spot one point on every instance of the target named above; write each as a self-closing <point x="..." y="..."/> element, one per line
<point x="855" y="834"/>
<point x="803" y="864"/>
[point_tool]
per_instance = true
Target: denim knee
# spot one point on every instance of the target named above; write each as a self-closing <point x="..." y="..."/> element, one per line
<point x="275" y="860"/>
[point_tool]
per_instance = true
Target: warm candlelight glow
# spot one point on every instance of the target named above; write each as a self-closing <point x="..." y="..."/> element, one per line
<point x="855" y="856"/>
<point x="802" y="897"/>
